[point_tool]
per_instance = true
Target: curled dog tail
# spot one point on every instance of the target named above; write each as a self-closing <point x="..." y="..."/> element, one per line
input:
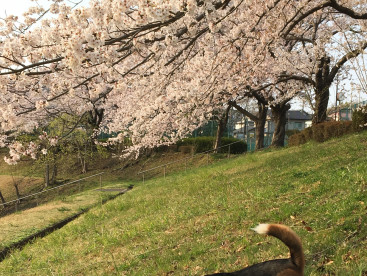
<point x="288" y="237"/>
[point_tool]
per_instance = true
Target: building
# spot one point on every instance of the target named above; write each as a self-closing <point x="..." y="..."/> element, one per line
<point x="244" y="129"/>
<point x="296" y="120"/>
<point x="345" y="112"/>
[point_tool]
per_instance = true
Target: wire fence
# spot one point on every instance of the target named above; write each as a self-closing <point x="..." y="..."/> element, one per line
<point x="164" y="167"/>
<point x="34" y="199"/>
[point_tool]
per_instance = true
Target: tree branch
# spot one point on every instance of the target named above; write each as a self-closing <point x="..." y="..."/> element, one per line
<point x="243" y="111"/>
<point x="344" y="59"/>
<point x="286" y="77"/>
<point x="346" y="11"/>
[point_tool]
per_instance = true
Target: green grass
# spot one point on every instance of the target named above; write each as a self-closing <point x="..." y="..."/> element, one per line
<point x="29" y="174"/>
<point x="19" y="225"/>
<point x="26" y="185"/>
<point x="199" y="221"/>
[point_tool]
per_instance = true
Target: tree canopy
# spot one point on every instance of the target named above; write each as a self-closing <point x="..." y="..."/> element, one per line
<point x="158" y="69"/>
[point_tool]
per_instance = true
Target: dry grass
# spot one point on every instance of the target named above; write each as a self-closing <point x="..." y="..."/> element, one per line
<point x="25" y="184"/>
<point x="16" y="226"/>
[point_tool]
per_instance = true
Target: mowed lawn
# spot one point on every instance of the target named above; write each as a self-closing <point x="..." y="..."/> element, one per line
<point x="199" y="221"/>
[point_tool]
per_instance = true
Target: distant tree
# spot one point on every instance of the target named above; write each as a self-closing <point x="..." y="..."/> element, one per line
<point x="2" y="198"/>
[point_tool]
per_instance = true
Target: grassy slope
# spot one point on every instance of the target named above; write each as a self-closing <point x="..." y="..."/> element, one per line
<point x="198" y="222"/>
<point x="28" y="184"/>
<point x="19" y="225"/>
<point x="29" y="174"/>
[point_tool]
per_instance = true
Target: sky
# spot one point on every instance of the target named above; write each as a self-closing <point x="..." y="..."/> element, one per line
<point x="17" y="7"/>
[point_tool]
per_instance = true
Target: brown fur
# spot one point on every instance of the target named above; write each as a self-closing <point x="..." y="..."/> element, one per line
<point x="292" y="266"/>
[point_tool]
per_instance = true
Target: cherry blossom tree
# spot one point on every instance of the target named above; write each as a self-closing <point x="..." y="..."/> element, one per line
<point x="331" y="41"/>
<point x="154" y="69"/>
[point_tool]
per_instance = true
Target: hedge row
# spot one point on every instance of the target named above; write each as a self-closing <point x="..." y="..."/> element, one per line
<point x="321" y="132"/>
<point x="324" y="131"/>
<point x="202" y="144"/>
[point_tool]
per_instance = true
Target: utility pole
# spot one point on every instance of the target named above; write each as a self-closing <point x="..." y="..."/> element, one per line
<point x="336" y="97"/>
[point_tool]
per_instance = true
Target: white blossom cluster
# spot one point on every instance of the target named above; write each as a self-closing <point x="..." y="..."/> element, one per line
<point x="31" y="149"/>
<point x="17" y="149"/>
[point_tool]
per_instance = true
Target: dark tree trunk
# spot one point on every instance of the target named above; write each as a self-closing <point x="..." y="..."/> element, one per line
<point x="82" y="156"/>
<point x="54" y="173"/>
<point x="2" y="198"/>
<point x="222" y="123"/>
<point x="17" y="191"/>
<point x="279" y="113"/>
<point x="95" y="117"/>
<point x="83" y="163"/>
<point x="47" y="175"/>
<point x="321" y="103"/>
<point x="323" y="82"/>
<point x="85" y="158"/>
<point x="260" y="125"/>
<point x="259" y="120"/>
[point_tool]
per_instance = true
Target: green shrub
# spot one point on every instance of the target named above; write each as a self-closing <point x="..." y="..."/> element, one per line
<point x="27" y="137"/>
<point x="166" y="148"/>
<point x="297" y="139"/>
<point x="203" y="144"/>
<point x="200" y="144"/>
<point x="336" y="129"/>
<point x="318" y="132"/>
<point x="291" y="132"/>
<point x="331" y="130"/>
<point x="321" y="132"/>
<point x="359" y="118"/>
<point x="186" y="149"/>
<point x="237" y="148"/>
<point x="307" y="132"/>
<point x="345" y="128"/>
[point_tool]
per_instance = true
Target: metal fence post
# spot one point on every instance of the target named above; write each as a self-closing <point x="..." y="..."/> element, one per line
<point x="186" y="160"/>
